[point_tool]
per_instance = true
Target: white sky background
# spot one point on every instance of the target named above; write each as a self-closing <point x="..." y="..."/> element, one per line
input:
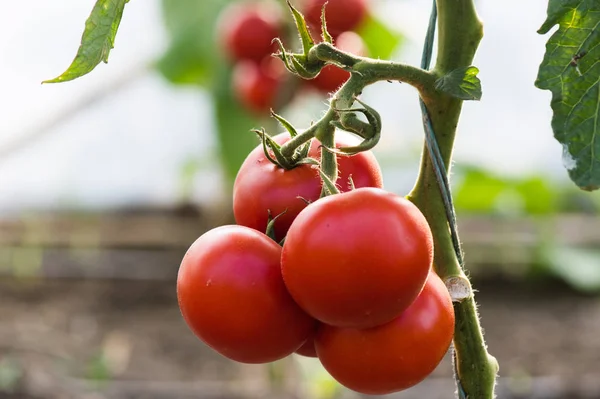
<point x="129" y="148"/>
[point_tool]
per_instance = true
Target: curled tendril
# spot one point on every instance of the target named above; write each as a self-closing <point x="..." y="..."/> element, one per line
<point x="370" y="132"/>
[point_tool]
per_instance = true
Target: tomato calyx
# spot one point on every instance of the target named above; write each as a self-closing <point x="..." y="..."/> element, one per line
<point x="270" y="230"/>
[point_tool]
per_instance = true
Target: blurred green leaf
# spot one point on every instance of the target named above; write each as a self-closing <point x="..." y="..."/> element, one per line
<point x="233" y="125"/>
<point x="579" y="267"/>
<point x="461" y="83"/>
<point x="192" y="56"/>
<point x="381" y="41"/>
<point x="11" y="374"/>
<point x="478" y="191"/>
<point x="98" y="370"/>
<point x="538" y="195"/>
<point x="97" y="40"/>
<point x="571" y="71"/>
<point x="484" y="192"/>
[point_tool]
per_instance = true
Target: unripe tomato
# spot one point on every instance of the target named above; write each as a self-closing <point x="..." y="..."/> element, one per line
<point x="396" y="355"/>
<point x="357" y="259"/>
<point x="247" y="30"/>
<point x="340" y="15"/>
<point x="261" y="186"/>
<point x="256" y="85"/>
<point x="233" y="298"/>
<point x="332" y="77"/>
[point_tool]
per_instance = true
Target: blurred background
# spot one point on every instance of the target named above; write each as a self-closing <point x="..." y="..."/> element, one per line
<point x="106" y="180"/>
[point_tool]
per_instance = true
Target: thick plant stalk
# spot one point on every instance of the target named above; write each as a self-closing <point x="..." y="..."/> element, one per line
<point x="460" y="32"/>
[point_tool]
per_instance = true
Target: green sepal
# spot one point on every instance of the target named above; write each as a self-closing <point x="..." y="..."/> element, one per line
<point x="305" y="36"/>
<point x="327" y="38"/>
<point x="329" y="186"/>
<point x="270" y="231"/>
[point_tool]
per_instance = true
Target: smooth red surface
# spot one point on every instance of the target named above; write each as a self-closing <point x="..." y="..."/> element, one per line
<point x="232" y="296"/>
<point x="308" y="348"/>
<point x="394" y="356"/>
<point x="247" y="30"/>
<point x="261" y="186"/>
<point x="341" y="15"/>
<point x="332" y="77"/>
<point x="357" y="259"/>
<point x="256" y="85"/>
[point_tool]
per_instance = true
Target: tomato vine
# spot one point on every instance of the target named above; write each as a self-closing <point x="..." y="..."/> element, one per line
<point x="572" y="76"/>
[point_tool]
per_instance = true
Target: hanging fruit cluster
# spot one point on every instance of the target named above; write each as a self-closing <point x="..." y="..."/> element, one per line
<point x="346" y="277"/>
<point x="247" y="30"/>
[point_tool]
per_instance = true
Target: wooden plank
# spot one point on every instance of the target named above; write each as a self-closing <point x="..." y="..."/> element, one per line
<point x="172" y="230"/>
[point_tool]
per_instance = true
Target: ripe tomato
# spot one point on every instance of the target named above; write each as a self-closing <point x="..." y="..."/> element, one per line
<point x="308" y="348"/>
<point x="247" y="30"/>
<point x="233" y="298"/>
<point x="256" y="85"/>
<point x="331" y="77"/>
<point x="261" y="186"/>
<point x="341" y="15"/>
<point x="357" y="259"/>
<point x="396" y="355"/>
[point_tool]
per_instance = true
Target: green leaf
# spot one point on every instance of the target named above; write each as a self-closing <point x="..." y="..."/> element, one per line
<point x="97" y="40"/>
<point x="381" y="41"/>
<point x="571" y="71"/>
<point x="479" y="191"/>
<point x="461" y="83"/>
<point x="192" y="56"/>
<point x="234" y="126"/>
<point x="484" y="192"/>
<point x="579" y="267"/>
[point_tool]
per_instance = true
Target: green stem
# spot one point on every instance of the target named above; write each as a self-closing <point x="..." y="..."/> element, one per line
<point x="460" y="32"/>
<point x="329" y="167"/>
<point x="371" y="71"/>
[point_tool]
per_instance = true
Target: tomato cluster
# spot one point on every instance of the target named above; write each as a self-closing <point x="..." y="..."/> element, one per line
<point x="352" y="282"/>
<point x="246" y="31"/>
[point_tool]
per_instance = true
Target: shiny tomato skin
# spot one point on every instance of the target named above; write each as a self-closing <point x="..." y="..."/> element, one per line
<point x="341" y="15"/>
<point x="232" y="296"/>
<point x="332" y="77"/>
<point x="261" y="186"/>
<point x="396" y="355"/>
<point x="357" y="259"/>
<point x="256" y="85"/>
<point x="247" y="30"/>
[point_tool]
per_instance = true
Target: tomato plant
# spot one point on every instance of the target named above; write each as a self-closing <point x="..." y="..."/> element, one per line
<point x="247" y="30"/>
<point x="357" y="259"/>
<point x="262" y="186"/>
<point x="232" y="296"/>
<point x="396" y="355"/>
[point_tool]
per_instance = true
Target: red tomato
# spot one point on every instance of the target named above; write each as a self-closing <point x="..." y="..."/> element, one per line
<point x="247" y="30"/>
<point x="396" y="355"/>
<point x="341" y="15"/>
<point x="233" y="298"/>
<point x="331" y="77"/>
<point x="256" y="85"/>
<point x="308" y="348"/>
<point x="357" y="259"/>
<point x="261" y="186"/>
